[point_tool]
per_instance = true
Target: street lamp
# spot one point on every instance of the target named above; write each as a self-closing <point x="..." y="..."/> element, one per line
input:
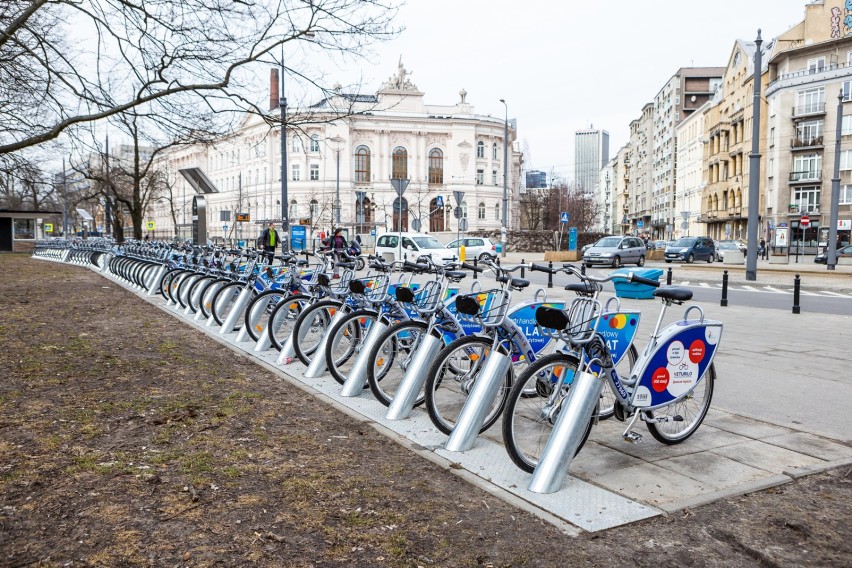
<point x="505" y="228"/>
<point x="337" y="143"/>
<point x="282" y="107"/>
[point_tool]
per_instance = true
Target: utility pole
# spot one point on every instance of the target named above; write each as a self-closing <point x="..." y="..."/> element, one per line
<point x="831" y="250"/>
<point x="504" y="230"/>
<point x="754" y="169"/>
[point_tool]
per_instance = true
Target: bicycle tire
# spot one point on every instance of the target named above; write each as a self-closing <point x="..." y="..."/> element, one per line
<point x="690" y="408"/>
<point x="310" y="327"/>
<point x="195" y="292"/>
<point x="528" y="420"/>
<point x="282" y="318"/>
<point x="389" y="359"/>
<point x="451" y="378"/>
<point x="208" y="293"/>
<point x="262" y="301"/>
<point x="185" y="286"/>
<point x="344" y="342"/>
<point x="165" y="282"/>
<point x="224" y="301"/>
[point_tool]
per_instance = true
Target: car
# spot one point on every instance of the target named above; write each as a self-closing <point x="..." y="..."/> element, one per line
<point x="660" y="245"/>
<point x="724" y="247"/>
<point x="822" y="258"/>
<point x="474" y="247"/>
<point x="394" y="247"/>
<point x="615" y="251"/>
<point x="690" y="249"/>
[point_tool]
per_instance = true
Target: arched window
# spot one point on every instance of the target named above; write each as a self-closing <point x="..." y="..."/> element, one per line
<point x="480" y="212"/>
<point x="494" y="151"/>
<point x="464" y="209"/>
<point x="400" y="163"/>
<point x="362" y="164"/>
<point x="314" y="208"/>
<point x="314" y="143"/>
<point x="480" y="149"/>
<point x="294" y="209"/>
<point x="496" y="211"/>
<point x="436" y="166"/>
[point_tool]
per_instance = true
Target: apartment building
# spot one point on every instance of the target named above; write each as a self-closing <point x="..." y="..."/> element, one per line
<point x="690" y="178"/>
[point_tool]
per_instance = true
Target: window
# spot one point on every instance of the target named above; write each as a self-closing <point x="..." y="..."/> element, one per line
<point x="494" y="151"/>
<point x="480" y="212"/>
<point x="480" y="149"/>
<point x="463" y="207"/>
<point x="816" y="65"/>
<point x="809" y="133"/>
<point x="399" y="168"/>
<point x="314" y="172"/>
<point x="480" y="177"/>
<point x="314" y="208"/>
<point x="846" y="159"/>
<point x="436" y="166"/>
<point x="24" y="229"/>
<point x="809" y="166"/>
<point x="847" y="91"/>
<point x="297" y="175"/>
<point x="297" y="144"/>
<point x="362" y="164"/>
<point x="846" y="125"/>
<point x="493" y="177"/>
<point x="807" y="198"/>
<point x="314" y="143"/>
<point x="496" y="211"/>
<point x="811" y="100"/>
<point x="845" y="195"/>
<point x="294" y="208"/>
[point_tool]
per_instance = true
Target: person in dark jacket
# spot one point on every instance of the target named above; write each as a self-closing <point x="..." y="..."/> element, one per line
<point x="268" y="240"/>
<point x="338" y="245"/>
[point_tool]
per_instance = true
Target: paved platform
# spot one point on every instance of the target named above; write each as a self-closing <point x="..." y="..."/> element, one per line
<point x="778" y="413"/>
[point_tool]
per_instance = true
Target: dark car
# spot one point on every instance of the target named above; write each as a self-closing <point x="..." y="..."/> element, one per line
<point x="822" y="258"/>
<point x="690" y="249"/>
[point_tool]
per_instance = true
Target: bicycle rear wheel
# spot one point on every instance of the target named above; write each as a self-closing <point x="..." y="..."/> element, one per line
<point x="283" y="317"/>
<point x="225" y="301"/>
<point x="684" y="416"/>
<point x="390" y="357"/>
<point x="344" y="342"/>
<point x="258" y="312"/>
<point x="310" y="327"/>
<point x="452" y="377"/>
<point x="528" y="419"/>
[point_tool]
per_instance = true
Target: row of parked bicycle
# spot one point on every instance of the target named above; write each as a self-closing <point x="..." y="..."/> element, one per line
<point x="406" y="333"/>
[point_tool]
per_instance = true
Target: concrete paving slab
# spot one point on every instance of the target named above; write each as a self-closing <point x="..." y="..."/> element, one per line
<point x="713" y="470"/>
<point x="768" y="457"/>
<point x="811" y="445"/>
<point x="706" y="438"/>
<point x="653" y="485"/>
<point x="743" y="426"/>
<point x="596" y="460"/>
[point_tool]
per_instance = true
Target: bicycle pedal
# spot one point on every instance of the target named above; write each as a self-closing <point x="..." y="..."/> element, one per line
<point x="677" y="418"/>
<point x="633" y="437"/>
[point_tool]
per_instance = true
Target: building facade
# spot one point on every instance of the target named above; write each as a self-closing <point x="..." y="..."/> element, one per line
<point x="690" y="178"/>
<point x="591" y="153"/>
<point x="341" y="156"/>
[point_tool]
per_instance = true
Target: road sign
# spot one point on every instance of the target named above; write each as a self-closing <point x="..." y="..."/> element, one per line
<point x="805" y="221"/>
<point x="48" y="227"/>
<point x="684" y="215"/>
<point x="458" y="213"/>
<point x="640" y="224"/>
<point x="245" y="217"/>
<point x="463" y="225"/>
<point x="564" y="217"/>
<point x="399" y="185"/>
<point x="439" y="201"/>
<point x="415" y="224"/>
<point x="459" y="197"/>
<point x="225" y="228"/>
<point x="151" y="225"/>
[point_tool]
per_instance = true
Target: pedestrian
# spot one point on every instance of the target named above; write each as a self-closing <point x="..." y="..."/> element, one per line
<point x="268" y="240"/>
<point x="338" y="246"/>
<point x="761" y="249"/>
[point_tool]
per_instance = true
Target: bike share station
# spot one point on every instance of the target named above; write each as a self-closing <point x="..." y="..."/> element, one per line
<point x="611" y="481"/>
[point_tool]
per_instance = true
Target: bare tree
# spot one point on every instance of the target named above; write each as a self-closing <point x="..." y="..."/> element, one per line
<point x="137" y="53"/>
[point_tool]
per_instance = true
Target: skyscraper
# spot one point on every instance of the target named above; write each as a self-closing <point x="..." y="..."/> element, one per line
<point x="591" y="153"/>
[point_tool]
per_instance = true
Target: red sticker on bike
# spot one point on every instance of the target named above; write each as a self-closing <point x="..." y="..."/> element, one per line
<point x="697" y="351"/>
<point x="660" y="379"/>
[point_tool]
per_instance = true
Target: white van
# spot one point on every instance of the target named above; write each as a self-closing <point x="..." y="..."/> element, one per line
<point x="394" y="247"/>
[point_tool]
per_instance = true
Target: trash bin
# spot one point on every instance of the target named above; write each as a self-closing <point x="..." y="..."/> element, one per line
<point x="634" y="290"/>
<point x="499" y="248"/>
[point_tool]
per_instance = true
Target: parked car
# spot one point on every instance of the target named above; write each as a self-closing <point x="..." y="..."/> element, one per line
<point x="474" y="247"/>
<point x="822" y="258"/>
<point x="615" y="251"/>
<point x="690" y="249"/>
<point x="723" y="247"/>
<point x="660" y="245"/>
<point x="413" y="246"/>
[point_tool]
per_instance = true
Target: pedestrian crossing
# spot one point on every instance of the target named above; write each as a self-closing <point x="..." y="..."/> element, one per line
<point x="766" y="289"/>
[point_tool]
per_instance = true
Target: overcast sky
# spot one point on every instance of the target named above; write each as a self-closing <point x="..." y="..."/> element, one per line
<point x="565" y="65"/>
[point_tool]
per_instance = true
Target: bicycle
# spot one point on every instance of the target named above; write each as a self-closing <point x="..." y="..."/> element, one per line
<point x="669" y="387"/>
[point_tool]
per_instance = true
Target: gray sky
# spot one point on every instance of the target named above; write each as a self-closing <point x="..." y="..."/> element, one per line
<point x="564" y="65"/>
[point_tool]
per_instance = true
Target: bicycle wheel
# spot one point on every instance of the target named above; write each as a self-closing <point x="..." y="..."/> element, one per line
<point x="224" y="301"/>
<point x="528" y="420"/>
<point x="311" y="326"/>
<point x="259" y="310"/>
<point x="208" y="293"/>
<point x="166" y="280"/>
<point x="685" y="415"/>
<point x="344" y="342"/>
<point x="283" y="316"/>
<point x="389" y="359"/>
<point x="451" y="378"/>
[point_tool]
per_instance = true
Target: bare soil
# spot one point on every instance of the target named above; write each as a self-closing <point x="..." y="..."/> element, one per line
<point x="127" y="438"/>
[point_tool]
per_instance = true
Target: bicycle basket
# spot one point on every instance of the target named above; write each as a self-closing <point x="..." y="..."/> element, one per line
<point x="487" y="308"/>
<point x="428" y="298"/>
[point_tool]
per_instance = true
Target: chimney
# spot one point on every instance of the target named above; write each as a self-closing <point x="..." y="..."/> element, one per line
<point x="273" y="88"/>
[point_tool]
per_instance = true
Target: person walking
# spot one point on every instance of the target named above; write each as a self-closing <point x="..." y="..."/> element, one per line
<point x="761" y="249"/>
<point x="268" y="240"/>
<point x="338" y="246"/>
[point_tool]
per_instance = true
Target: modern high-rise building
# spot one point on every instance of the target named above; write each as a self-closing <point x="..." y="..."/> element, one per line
<point x="591" y="153"/>
<point x="536" y="179"/>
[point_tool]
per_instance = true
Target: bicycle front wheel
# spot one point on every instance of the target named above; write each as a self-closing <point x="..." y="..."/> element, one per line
<point x="390" y="358"/>
<point x="259" y="310"/>
<point x="344" y="342"/>
<point x="682" y="418"/>
<point x="452" y="377"/>
<point x="310" y="327"/>
<point x="283" y="317"/>
<point x="529" y="418"/>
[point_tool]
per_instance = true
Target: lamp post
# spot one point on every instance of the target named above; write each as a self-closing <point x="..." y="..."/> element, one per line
<point x="505" y="228"/>
<point x="282" y="107"/>
<point x="337" y="142"/>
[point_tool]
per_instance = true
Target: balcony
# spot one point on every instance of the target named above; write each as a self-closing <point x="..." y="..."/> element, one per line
<point x="798" y="144"/>
<point x="808" y="110"/>
<point x="806" y="177"/>
<point x="795" y="209"/>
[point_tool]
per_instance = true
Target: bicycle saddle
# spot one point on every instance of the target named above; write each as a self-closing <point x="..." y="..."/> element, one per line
<point x="674" y="293"/>
<point x="587" y="288"/>
<point x="455" y="275"/>
<point x="519" y="283"/>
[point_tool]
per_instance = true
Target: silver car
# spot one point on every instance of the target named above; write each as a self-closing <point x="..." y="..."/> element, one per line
<point x="615" y="251"/>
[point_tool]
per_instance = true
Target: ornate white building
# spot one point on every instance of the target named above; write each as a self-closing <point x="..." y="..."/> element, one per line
<point x="341" y="163"/>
